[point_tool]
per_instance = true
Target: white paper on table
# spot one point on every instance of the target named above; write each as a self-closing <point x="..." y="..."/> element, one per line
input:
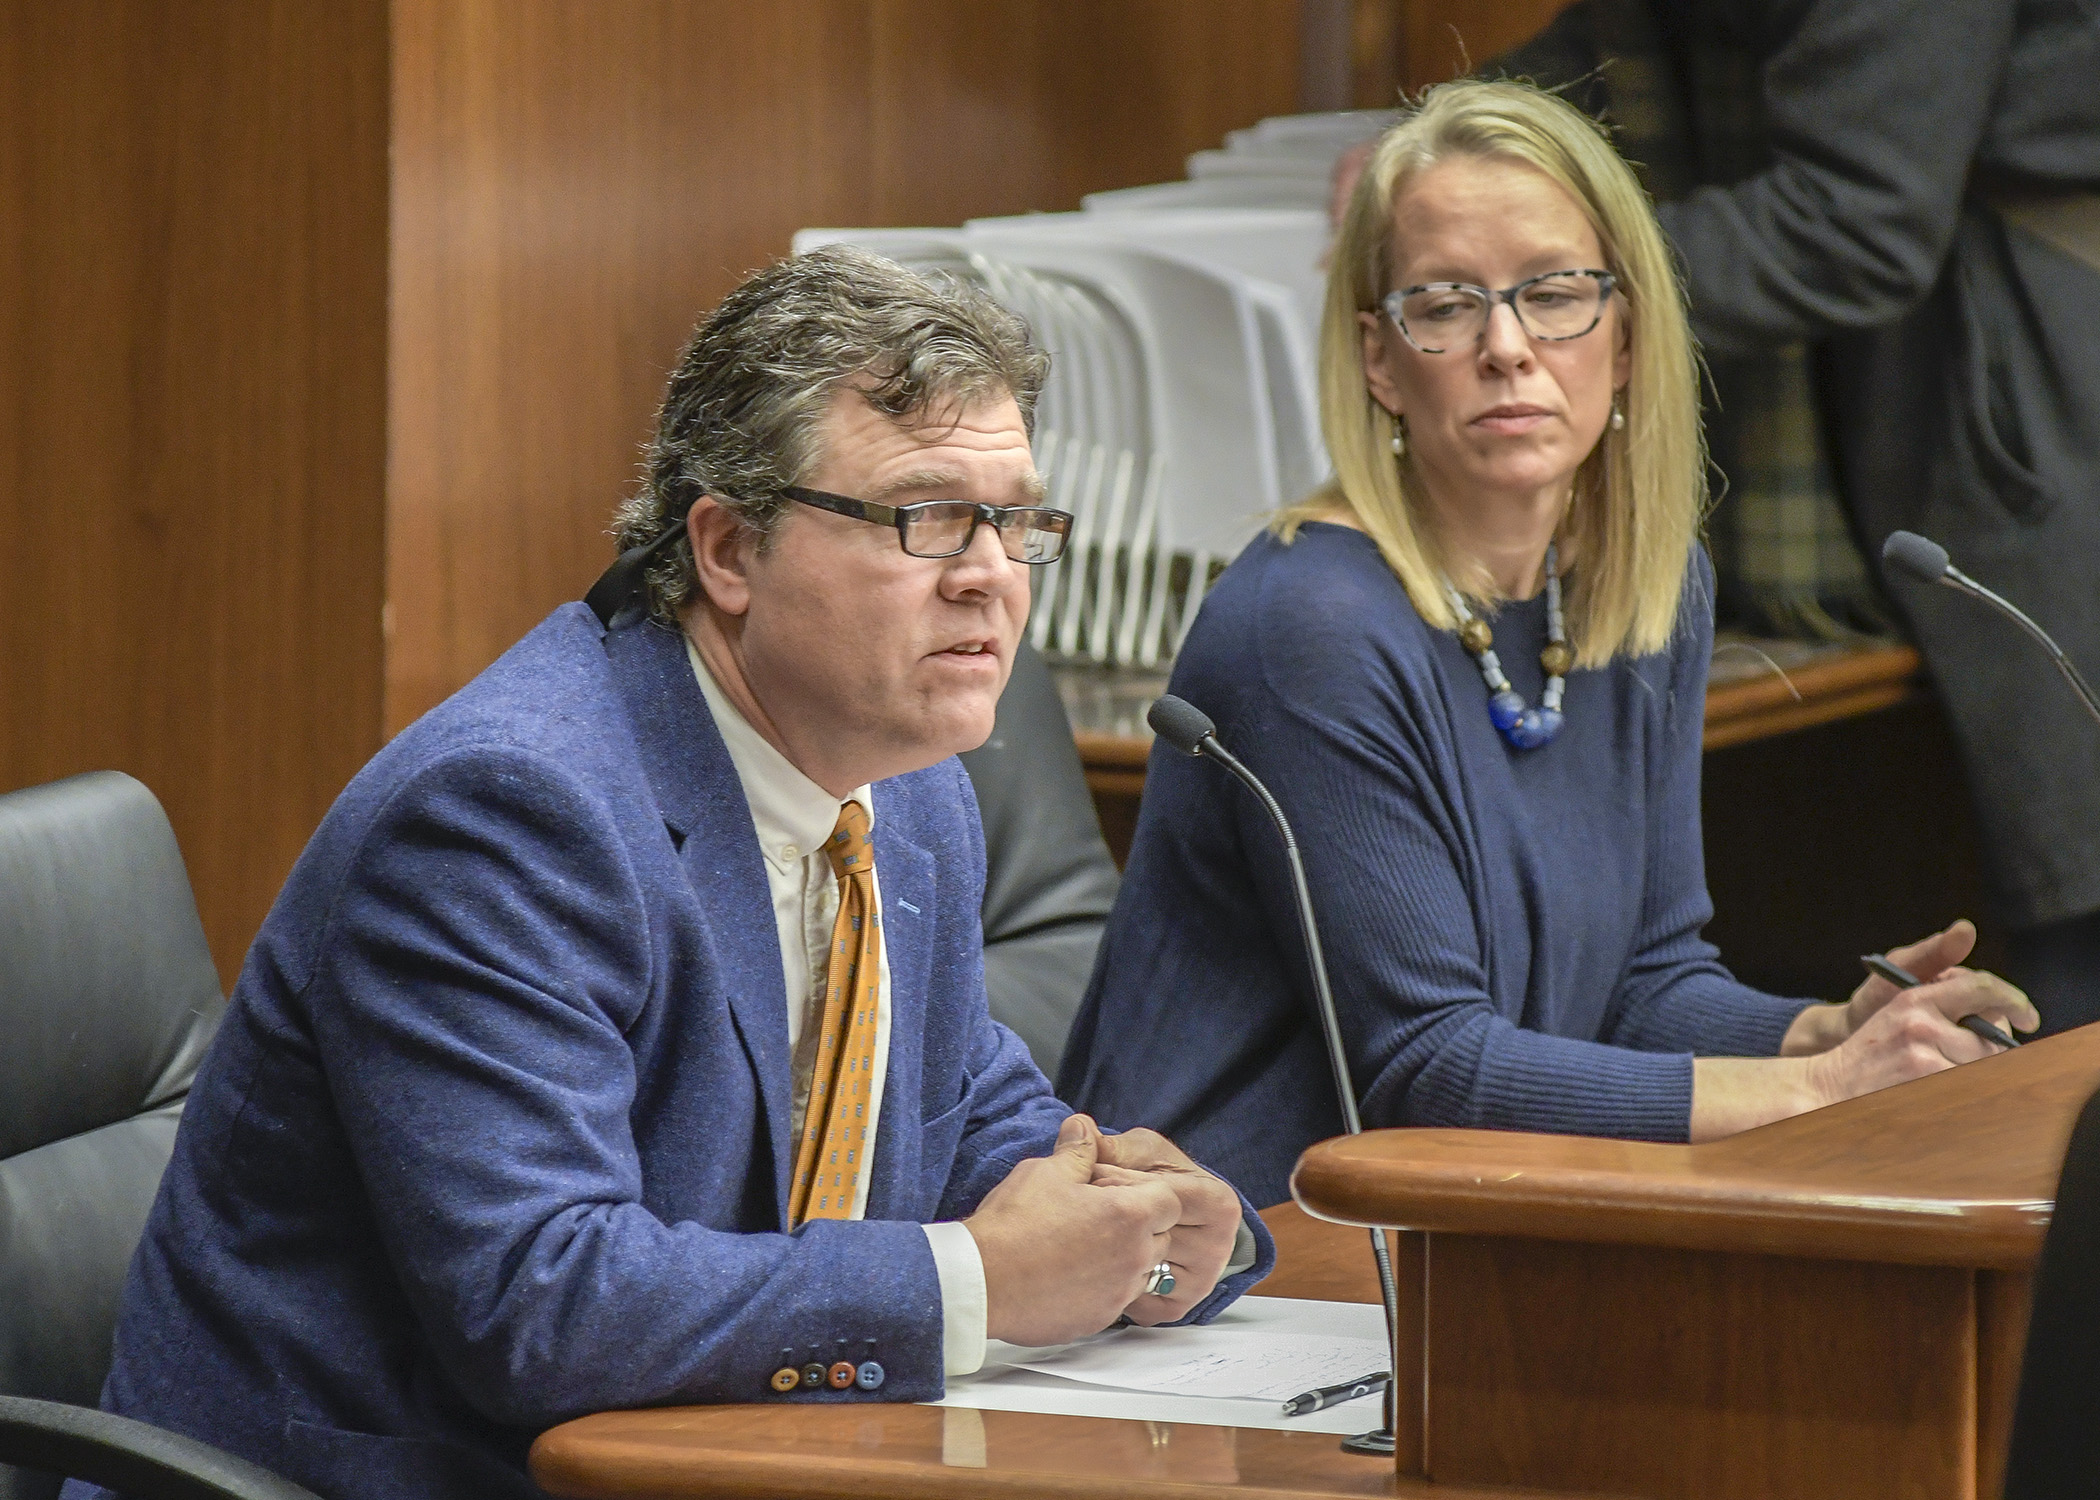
<point x="1246" y="1364"/>
<point x="1007" y="1384"/>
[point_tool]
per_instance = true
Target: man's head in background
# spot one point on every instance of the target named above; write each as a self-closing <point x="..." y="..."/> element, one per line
<point x="846" y="639"/>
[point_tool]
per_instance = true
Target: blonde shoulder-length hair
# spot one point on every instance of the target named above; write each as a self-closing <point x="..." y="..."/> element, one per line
<point x="1640" y="494"/>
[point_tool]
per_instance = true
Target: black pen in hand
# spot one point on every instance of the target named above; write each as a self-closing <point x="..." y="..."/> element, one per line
<point x="1335" y="1395"/>
<point x="1903" y="979"/>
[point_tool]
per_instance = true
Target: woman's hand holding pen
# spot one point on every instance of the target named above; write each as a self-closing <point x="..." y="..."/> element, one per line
<point x="1936" y="960"/>
<point x="1885" y="1035"/>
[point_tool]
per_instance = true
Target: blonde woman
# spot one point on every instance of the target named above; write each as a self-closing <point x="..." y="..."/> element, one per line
<point x="1474" y="669"/>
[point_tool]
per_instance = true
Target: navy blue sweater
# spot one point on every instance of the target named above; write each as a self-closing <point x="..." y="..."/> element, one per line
<point x="1513" y="936"/>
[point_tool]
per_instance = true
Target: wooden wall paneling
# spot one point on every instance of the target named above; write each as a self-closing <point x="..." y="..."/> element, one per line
<point x="1028" y="105"/>
<point x="1410" y="44"/>
<point x="1443" y="39"/>
<point x="192" y="346"/>
<point x="961" y="113"/>
<point x="1623" y="1367"/>
<point x="1132" y="89"/>
<point x="1378" y="48"/>
<point x="1326" y="54"/>
<point x="574" y="184"/>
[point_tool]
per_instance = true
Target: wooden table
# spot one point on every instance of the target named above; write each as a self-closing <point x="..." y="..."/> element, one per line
<point x="1834" y="1305"/>
<point x="863" y="1450"/>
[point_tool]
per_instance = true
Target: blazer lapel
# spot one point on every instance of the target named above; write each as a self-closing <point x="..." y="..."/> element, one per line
<point x="703" y="806"/>
<point x="905" y="873"/>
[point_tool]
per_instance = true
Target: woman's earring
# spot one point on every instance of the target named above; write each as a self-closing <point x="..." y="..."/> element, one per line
<point x="1399" y="437"/>
<point x="1618" y="418"/>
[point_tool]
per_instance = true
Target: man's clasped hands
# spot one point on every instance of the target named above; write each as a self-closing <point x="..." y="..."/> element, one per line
<point x="1069" y="1240"/>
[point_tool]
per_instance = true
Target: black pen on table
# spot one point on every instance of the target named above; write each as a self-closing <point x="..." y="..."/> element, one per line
<point x="1903" y="979"/>
<point x="1335" y="1395"/>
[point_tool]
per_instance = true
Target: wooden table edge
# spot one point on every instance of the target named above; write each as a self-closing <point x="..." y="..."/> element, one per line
<point x="1861" y="682"/>
<point x="571" y="1461"/>
<point x="1716" y="1214"/>
<point x="761" y="1476"/>
<point x="1102" y="751"/>
<point x="1882" y="668"/>
<point x="1998" y="1246"/>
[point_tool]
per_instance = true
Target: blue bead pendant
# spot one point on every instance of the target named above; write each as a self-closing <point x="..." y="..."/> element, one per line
<point x="1533" y="728"/>
<point x="1521" y="726"/>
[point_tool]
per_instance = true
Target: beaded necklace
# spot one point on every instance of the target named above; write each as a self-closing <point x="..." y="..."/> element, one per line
<point x="1525" y="727"/>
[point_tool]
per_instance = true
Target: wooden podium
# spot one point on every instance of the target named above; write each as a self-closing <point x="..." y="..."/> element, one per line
<point x="1832" y="1306"/>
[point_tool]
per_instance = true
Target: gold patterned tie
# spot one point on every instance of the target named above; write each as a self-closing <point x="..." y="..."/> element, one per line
<point x="835" y="1141"/>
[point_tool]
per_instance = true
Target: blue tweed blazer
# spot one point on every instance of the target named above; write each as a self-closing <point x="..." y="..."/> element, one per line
<point x="495" y="1132"/>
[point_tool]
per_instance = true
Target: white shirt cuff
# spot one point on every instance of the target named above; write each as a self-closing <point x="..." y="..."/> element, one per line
<point x="1245" y="1252"/>
<point x="961" y="1270"/>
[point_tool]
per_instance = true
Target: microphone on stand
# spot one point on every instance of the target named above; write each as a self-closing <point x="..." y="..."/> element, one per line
<point x="1189" y="730"/>
<point x="1926" y="560"/>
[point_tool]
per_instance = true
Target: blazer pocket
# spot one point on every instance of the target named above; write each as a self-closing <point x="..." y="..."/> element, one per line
<point x="337" y="1461"/>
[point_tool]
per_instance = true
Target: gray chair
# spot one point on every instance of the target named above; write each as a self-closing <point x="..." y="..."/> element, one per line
<point x="1049" y="881"/>
<point x="107" y="999"/>
<point x="133" y="1458"/>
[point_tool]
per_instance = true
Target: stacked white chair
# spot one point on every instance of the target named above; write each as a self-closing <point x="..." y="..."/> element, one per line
<point x="1182" y="321"/>
<point x="1320" y="137"/>
<point x="1211" y="192"/>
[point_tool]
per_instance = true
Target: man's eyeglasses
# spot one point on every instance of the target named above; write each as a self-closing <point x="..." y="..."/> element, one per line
<point x="1441" y="315"/>
<point x="944" y="528"/>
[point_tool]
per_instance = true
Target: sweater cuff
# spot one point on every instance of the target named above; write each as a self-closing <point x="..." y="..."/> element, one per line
<point x="1756" y="1027"/>
<point x="963" y="1302"/>
<point x="1712" y="1015"/>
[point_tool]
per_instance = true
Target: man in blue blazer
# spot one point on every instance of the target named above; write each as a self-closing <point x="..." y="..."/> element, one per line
<point x="586" y="1061"/>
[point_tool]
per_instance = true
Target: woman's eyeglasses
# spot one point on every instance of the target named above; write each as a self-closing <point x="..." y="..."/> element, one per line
<point x="1441" y="315"/>
<point x="943" y="528"/>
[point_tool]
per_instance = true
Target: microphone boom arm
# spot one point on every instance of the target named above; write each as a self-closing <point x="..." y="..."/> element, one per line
<point x="1331" y="1029"/>
<point x="1955" y="578"/>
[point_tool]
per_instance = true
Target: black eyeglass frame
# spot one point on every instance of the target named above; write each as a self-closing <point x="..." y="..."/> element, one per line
<point x="900" y="517"/>
<point x="1607" y="283"/>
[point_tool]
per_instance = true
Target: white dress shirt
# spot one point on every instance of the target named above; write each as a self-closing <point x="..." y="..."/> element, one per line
<point x="793" y="817"/>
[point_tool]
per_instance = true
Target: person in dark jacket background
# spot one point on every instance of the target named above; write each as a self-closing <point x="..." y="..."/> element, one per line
<point x="1914" y="193"/>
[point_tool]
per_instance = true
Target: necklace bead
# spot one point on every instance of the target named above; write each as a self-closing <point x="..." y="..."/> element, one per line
<point x="1524" y="727"/>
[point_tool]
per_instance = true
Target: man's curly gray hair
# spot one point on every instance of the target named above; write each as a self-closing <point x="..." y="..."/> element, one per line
<point x="742" y="415"/>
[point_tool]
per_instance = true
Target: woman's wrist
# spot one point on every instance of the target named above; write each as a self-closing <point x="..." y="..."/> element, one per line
<point x="1818" y="1028"/>
<point x="1731" y="1094"/>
